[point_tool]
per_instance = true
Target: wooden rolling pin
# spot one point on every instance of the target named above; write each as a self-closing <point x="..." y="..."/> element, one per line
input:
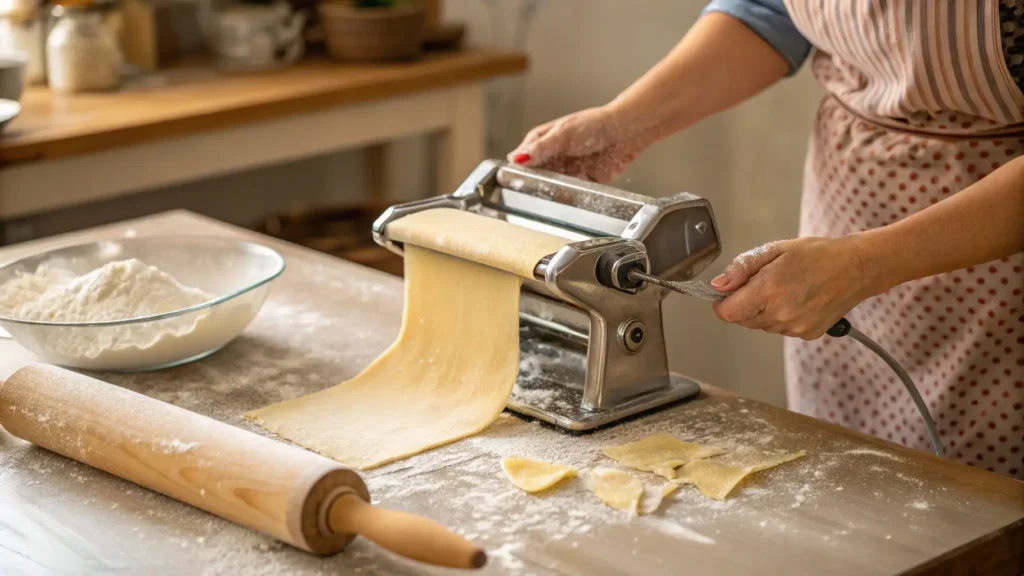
<point x="293" y="495"/>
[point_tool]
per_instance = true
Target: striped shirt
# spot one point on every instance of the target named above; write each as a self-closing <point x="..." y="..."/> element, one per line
<point x="951" y="68"/>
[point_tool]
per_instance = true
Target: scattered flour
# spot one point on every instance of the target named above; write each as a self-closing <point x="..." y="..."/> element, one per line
<point x="506" y="556"/>
<point x="177" y="446"/>
<point x="879" y="453"/>
<point x="677" y="530"/>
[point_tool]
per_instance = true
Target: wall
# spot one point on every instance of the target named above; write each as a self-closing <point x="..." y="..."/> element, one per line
<point x="747" y="162"/>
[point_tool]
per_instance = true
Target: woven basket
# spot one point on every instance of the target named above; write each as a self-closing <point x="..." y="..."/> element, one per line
<point x="372" y="34"/>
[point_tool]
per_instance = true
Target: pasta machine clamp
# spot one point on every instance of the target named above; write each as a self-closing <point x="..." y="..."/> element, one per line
<point x="592" y="341"/>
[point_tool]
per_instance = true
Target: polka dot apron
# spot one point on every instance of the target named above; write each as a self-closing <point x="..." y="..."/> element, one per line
<point x="923" y="99"/>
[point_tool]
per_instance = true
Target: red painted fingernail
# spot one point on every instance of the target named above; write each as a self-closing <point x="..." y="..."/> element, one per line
<point x="521" y="158"/>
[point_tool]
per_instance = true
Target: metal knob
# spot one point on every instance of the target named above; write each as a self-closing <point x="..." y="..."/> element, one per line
<point x="632" y="335"/>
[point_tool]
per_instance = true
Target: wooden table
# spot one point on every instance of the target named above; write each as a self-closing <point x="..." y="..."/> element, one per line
<point x="855" y="505"/>
<point x="191" y="123"/>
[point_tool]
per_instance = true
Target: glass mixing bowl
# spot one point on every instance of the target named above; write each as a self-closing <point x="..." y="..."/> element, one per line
<point x="235" y="272"/>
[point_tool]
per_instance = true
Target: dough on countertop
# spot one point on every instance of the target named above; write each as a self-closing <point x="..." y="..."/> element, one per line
<point x="533" y="475"/>
<point x="616" y="488"/>
<point x="660" y="454"/>
<point x="654" y="496"/>
<point x="717" y="479"/>
<point x="451" y="370"/>
<point x="619" y="489"/>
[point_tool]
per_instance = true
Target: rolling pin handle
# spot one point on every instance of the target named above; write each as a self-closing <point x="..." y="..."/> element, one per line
<point x="404" y="534"/>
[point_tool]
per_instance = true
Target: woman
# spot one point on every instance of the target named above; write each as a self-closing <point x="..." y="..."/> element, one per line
<point x="912" y="224"/>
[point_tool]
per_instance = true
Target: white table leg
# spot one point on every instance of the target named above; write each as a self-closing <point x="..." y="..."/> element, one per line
<point x="463" y="144"/>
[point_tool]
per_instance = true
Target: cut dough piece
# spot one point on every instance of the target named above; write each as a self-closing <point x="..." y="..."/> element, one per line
<point x="533" y="475"/>
<point x="616" y="488"/>
<point x="654" y="496"/>
<point x="660" y="454"/>
<point x="716" y="479"/>
<point x="451" y="370"/>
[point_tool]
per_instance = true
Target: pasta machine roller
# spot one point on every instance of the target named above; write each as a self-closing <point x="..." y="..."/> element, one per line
<point x="592" y="344"/>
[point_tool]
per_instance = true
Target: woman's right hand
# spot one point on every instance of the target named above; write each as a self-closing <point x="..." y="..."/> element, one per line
<point x="595" y="144"/>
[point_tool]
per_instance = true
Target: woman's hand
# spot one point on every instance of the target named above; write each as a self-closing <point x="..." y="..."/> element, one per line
<point x="797" y="288"/>
<point x="595" y="144"/>
<point x="719" y="63"/>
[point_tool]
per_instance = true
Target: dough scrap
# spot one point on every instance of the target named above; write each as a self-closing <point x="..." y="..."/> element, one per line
<point x="660" y="453"/>
<point x="654" y="496"/>
<point x="616" y="488"/>
<point x="533" y="475"/>
<point x="716" y="479"/>
<point x="451" y="370"/>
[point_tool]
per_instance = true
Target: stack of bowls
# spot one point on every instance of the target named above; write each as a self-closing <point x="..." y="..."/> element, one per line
<point x="12" y="82"/>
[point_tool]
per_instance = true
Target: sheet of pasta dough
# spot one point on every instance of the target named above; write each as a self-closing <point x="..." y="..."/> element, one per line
<point x="451" y="370"/>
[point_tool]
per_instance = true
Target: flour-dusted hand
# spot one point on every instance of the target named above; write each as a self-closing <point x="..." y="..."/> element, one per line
<point x="797" y="288"/>
<point x="595" y="144"/>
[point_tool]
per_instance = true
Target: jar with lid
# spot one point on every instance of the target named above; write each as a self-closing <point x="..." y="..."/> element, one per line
<point x="81" y="53"/>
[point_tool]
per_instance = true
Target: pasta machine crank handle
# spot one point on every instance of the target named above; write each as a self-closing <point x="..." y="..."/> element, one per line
<point x="633" y="276"/>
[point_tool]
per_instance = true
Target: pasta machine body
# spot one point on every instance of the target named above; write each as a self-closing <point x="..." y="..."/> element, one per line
<point x="591" y="352"/>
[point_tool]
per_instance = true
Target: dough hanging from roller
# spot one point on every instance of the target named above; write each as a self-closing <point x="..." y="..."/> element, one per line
<point x="717" y="479"/>
<point x="451" y="370"/>
<point x="533" y="475"/>
<point x="660" y="454"/>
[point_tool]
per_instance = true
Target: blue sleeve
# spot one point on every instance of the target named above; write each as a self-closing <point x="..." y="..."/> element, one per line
<point x="771" y="21"/>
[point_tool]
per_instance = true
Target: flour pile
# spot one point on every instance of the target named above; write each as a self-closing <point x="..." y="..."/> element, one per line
<point x="119" y="290"/>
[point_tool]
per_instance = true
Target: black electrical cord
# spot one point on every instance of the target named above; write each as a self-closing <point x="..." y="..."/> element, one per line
<point x="844" y="328"/>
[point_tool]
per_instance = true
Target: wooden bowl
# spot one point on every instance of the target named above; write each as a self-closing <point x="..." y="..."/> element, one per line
<point x="372" y="34"/>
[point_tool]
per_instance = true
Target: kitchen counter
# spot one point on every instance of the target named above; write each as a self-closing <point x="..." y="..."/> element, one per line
<point x="66" y="150"/>
<point x="854" y="505"/>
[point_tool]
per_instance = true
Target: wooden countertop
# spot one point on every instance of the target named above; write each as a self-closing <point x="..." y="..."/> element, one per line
<point x="191" y="99"/>
<point x="855" y="505"/>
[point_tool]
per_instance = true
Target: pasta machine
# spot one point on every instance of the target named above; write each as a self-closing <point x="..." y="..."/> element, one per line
<point x="592" y="344"/>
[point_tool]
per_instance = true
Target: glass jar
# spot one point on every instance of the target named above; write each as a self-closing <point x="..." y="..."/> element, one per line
<point x="81" y="53"/>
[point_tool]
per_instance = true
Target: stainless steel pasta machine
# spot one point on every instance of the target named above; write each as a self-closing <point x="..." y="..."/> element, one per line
<point x="592" y="344"/>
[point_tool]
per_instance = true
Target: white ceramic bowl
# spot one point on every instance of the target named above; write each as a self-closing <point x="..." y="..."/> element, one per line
<point x="237" y="273"/>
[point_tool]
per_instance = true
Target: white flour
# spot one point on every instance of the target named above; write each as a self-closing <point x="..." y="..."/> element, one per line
<point x="117" y="291"/>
